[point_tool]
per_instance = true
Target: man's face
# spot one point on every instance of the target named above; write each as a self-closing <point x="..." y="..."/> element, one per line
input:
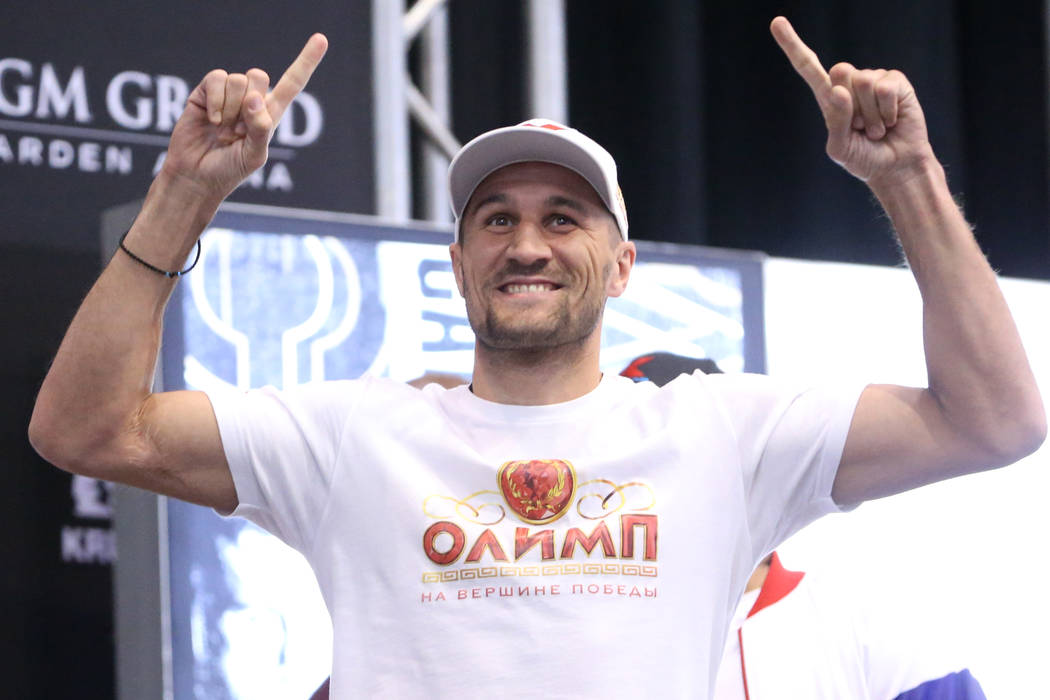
<point x="537" y="258"/>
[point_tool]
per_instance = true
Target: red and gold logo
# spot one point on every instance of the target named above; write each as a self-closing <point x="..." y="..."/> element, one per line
<point x="538" y="490"/>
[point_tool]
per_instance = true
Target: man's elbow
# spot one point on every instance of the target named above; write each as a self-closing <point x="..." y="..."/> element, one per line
<point x="61" y="447"/>
<point x="1034" y="433"/>
<point x="1018" y="436"/>
<point x="48" y="443"/>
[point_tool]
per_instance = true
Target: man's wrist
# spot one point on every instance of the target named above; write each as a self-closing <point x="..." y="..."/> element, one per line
<point x="173" y="216"/>
<point x="919" y="176"/>
<point x="925" y="215"/>
<point x="185" y="194"/>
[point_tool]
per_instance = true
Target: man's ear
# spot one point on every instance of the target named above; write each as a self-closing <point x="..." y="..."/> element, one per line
<point x="623" y="263"/>
<point x="456" y="253"/>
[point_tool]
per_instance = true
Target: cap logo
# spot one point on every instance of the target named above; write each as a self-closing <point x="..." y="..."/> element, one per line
<point x="551" y="126"/>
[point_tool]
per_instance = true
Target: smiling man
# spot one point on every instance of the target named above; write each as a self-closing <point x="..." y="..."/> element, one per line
<point x="547" y="530"/>
<point x="537" y="254"/>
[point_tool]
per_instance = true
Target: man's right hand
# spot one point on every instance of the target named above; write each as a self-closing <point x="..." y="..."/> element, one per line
<point x="225" y="129"/>
<point x="96" y="413"/>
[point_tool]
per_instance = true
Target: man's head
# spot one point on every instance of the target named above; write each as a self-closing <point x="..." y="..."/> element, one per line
<point x="538" y="247"/>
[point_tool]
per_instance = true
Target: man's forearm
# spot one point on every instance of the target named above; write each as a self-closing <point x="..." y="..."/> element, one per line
<point x="103" y="370"/>
<point x="977" y="367"/>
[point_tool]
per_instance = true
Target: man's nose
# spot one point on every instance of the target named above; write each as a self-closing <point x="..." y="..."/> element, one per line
<point x="528" y="244"/>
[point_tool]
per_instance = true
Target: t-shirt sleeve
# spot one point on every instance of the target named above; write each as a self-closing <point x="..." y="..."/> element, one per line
<point x="790" y="443"/>
<point x="281" y="447"/>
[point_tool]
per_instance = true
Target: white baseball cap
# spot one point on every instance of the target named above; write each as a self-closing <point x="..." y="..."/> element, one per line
<point x="535" y="140"/>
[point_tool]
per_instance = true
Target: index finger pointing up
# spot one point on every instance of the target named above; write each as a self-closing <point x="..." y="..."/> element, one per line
<point x="297" y="76"/>
<point x="803" y="59"/>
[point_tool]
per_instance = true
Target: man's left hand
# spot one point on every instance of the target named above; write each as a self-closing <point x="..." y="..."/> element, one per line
<point x="876" y="129"/>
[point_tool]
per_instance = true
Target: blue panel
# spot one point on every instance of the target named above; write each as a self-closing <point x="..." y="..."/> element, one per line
<point x="955" y="686"/>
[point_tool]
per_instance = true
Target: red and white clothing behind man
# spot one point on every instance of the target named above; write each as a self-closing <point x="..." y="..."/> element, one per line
<point x="798" y="637"/>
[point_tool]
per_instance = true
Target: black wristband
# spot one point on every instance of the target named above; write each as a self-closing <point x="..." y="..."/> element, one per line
<point x="156" y="269"/>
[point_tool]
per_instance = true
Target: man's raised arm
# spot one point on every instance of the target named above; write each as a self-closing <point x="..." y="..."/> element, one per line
<point x="982" y="408"/>
<point x="95" y="414"/>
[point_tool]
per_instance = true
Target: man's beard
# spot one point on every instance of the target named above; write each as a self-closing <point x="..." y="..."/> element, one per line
<point x="560" y="327"/>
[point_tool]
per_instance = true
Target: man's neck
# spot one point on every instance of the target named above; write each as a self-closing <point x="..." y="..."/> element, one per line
<point x="535" y="377"/>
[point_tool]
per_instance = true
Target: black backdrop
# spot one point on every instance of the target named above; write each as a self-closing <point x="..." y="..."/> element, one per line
<point x="60" y="166"/>
<point x="718" y="142"/>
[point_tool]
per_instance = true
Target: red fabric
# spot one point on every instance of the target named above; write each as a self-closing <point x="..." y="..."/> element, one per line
<point x="743" y="667"/>
<point x="779" y="582"/>
<point x="634" y="370"/>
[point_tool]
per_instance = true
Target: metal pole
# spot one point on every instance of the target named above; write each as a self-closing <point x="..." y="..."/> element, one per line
<point x="547" y="66"/>
<point x="418" y="16"/>
<point x="390" y="111"/>
<point x="396" y="97"/>
<point x="437" y="89"/>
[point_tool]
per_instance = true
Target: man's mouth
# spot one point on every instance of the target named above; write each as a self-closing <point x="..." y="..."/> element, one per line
<point x="525" y="288"/>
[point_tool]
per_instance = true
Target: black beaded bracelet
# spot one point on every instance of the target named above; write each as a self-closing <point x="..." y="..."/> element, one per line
<point x="156" y="269"/>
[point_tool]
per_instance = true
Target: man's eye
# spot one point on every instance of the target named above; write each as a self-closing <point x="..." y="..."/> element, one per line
<point x="562" y="220"/>
<point x="499" y="220"/>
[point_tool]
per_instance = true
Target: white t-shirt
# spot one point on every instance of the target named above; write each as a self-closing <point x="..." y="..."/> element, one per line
<point x="593" y="548"/>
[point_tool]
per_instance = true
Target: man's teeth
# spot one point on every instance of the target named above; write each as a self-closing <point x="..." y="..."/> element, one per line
<point x="522" y="288"/>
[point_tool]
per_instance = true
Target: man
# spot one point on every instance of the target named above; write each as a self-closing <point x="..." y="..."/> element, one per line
<point x="453" y="533"/>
